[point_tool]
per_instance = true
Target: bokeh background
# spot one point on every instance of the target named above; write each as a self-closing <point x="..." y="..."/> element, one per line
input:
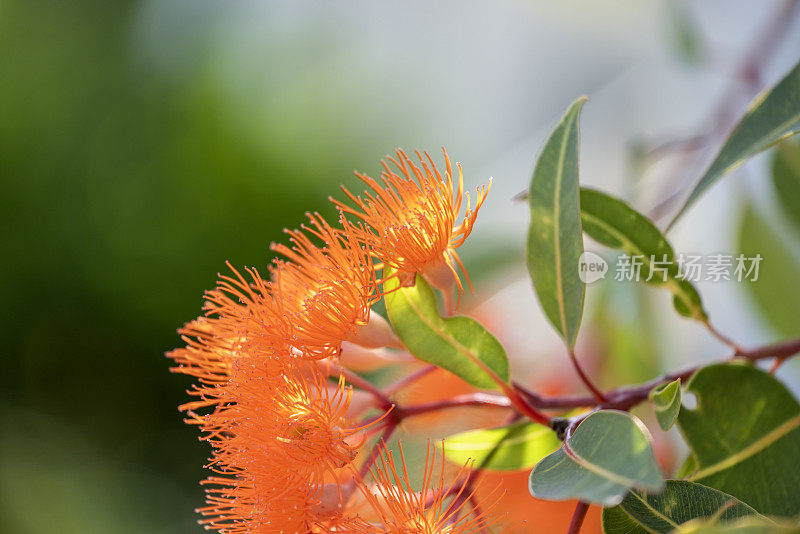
<point x="144" y="143"/>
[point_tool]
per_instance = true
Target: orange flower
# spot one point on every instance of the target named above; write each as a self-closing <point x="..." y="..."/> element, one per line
<point x="276" y="425"/>
<point x="438" y="508"/>
<point x="286" y="436"/>
<point x="412" y="218"/>
<point x="240" y="321"/>
<point x="290" y="421"/>
<point x="245" y="505"/>
<point x="325" y="293"/>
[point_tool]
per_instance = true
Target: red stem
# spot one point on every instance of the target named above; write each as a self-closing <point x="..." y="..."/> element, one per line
<point x="528" y="403"/>
<point x="468" y="399"/>
<point x="577" y="517"/>
<point x="783" y="349"/>
<point x="373" y="454"/>
<point x="585" y="379"/>
<point x="626" y="397"/>
<point x="410" y="379"/>
<point x="384" y="401"/>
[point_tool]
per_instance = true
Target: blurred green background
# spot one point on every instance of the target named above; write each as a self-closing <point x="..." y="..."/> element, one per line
<point x="143" y="144"/>
<point x="124" y="191"/>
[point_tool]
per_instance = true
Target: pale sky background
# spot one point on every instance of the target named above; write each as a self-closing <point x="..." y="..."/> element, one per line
<point x="488" y="79"/>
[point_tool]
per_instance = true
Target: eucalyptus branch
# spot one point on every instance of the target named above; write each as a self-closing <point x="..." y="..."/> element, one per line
<point x="480" y="399"/>
<point x="354" y="379"/>
<point x="627" y="397"/>
<point x="623" y="398"/>
<point x="577" y="517"/>
<point x="408" y="380"/>
<point x="585" y="378"/>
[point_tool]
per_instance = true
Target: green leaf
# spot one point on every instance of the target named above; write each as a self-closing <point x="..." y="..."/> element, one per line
<point x="775" y="292"/>
<point x="746" y="525"/>
<point x="609" y="453"/>
<point x="771" y="117"/>
<point x="667" y="403"/>
<point x="615" y="224"/>
<point x="555" y="241"/>
<point x="688" y="467"/>
<point x="517" y="446"/>
<point x="745" y="436"/>
<point x="459" y="344"/>
<point x="786" y="178"/>
<point x="679" y="503"/>
<point x="616" y="521"/>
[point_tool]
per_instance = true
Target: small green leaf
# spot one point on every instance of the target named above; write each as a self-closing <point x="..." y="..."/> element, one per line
<point x="555" y="241"/>
<point x="609" y="453"/>
<point x="786" y="178"/>
<point x="776" y="292"/>
<point x="667" y="403"/>
<point x="459" y="344"/>
<point x="615" y="224"/>
<point x="745" y="436"/>
<point x="688" y="467"/>
<point x="616" y="521"/>
<point x="771" y="117"/>
<point x="517" y="446"/>
<point x="679" y="503"/>
<point x="746" y="525"/>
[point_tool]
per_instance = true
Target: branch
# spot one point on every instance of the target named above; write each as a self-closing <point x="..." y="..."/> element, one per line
<point x="410" y="379"/>
<point x="577" y="517"/>
<point x="384" y="402"/>
<point x="585" y="379"/>
<point x="492" y="400"/>
<point x="627" y="397"/>
<point x="526" y="402"/>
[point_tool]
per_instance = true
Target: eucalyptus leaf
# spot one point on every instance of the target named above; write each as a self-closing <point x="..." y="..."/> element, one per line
<point x="459" y="344"/>
<point x="615" y="224"/>
<point x="609" y="453"/>
<point x="616" y="521"/>
<point x="514" y="447"/>
<point x="666" y="401"/>
<point x="786" y="178"/>
<point x="679" y="503"/>
<point x="775" y="292"/>
<point x="773" y="116"/>
<point x="745" y="436"/>
<point x="746" y="525"/>
<point x="555" y="240"/>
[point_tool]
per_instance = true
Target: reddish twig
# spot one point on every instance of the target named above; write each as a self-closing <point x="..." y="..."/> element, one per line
<point x="722" y="337"/>
<point x="782" y="349"/>
<point x="384" y="402"/>
<point x="577" y="517"/>
<point x="623" y="398"/>
<point x="585" y="379"/>
<point x="373" y="454"/>
<point x="459" y="401"/>
<point x="410" y="379"/>
<point x="627" y="397"/>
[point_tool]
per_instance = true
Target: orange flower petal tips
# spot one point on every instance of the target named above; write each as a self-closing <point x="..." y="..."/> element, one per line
<point x="438" y="508"/>
<point x="323" y="292"/>
<point x="411" y="216"/>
